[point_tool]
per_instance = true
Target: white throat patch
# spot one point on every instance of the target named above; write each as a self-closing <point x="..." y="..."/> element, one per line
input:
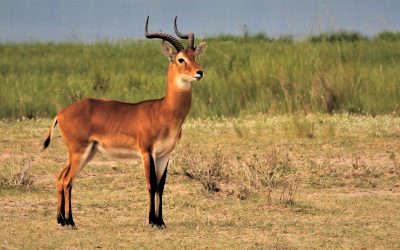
<point x="183" y="84"/>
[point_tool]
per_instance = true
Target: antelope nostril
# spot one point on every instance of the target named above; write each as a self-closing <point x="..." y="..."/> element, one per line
<point x="199" y="72"/>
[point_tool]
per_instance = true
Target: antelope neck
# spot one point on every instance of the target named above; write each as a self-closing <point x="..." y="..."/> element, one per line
<point x="177" y="101"/>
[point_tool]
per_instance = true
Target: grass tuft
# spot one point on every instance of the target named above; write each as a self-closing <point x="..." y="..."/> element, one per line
<point x="16" y="174"/>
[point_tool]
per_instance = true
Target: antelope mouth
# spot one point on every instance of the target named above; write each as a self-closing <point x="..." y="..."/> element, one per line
<point x="197" y="77"/>
<point x="192" y="78"/>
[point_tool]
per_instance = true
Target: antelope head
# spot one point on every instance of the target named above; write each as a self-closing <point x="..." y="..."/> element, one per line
<point x="183" y="68"/>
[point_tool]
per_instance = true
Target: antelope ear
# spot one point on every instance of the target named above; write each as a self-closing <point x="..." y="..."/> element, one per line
<point x="167" y="50"/>
<point x="200" y="49"/>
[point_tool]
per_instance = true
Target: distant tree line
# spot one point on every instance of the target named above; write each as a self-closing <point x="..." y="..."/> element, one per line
<point x="337" y="36"/>
<point x="354" y="36"/>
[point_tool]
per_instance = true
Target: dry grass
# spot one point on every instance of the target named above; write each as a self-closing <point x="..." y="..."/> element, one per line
<point x="282" y="182"/>
<point x="17" y="175"/>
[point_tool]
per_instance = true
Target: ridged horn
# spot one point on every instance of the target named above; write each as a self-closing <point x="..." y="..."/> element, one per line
<point x="189" y="36"/>
<point x="162" y="35"/>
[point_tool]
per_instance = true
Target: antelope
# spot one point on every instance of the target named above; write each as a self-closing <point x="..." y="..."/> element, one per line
<point x="148" y="130"/>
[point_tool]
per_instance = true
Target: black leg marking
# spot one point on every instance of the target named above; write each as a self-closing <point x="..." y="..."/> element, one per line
<point x="153" y="187"/>
<point x="70" y="220"/>
<point x="160" y="187"/>
<point x="61" y="215"/>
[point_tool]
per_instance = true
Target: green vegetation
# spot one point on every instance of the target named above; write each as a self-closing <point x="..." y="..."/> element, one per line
<point x="342" y="72"/>
<point x="389" y="36"/>
<point x="341" y="36"/>
<point x="257" y="182"/>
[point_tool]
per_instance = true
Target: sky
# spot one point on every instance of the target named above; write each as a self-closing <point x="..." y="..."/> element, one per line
<point x="93" y="20"/>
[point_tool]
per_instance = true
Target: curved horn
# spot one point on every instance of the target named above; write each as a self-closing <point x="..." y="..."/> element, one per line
<point x="189" y="36"/>
<point x="172" y="40"/>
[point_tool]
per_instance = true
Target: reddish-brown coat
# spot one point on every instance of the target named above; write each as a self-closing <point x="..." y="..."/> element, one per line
<point x="150" y="128"/>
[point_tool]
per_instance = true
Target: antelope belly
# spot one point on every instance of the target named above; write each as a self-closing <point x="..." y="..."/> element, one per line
<point x="121" y="153"/>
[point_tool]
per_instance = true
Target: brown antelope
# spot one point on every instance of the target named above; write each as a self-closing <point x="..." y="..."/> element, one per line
<point x="148" y="130"/>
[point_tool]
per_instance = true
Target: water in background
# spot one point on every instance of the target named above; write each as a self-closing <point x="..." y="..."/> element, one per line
<point x="92" y="20"/>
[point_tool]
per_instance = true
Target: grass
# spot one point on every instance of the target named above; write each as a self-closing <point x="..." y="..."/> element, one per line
<point x="243" y="76"/>
<point x="284" y="182"/>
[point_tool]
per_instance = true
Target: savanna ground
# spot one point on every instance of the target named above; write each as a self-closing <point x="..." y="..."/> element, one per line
<point x="263" y="181"/>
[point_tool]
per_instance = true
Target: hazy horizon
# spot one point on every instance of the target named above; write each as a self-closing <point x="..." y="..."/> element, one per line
<point x="92" y="20"/>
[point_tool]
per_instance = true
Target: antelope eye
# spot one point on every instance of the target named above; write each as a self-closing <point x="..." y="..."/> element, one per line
<point x="181" y="60"/>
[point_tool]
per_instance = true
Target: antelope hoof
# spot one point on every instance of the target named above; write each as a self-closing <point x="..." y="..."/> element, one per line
<point x="158" y="222"/>
<point x="61" y="219"/>
<point x="70" y="222"/>
<point x="162" y="226"/>
<point x="65" y="221"/>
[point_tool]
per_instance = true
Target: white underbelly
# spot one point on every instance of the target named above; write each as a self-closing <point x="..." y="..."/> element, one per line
<point x="121" y="153"/>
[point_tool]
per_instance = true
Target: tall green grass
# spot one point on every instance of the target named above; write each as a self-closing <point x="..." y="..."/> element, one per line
<point x="242" y="76"/>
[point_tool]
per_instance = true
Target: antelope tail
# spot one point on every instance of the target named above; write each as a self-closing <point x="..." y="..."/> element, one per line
<point x="50" y="134"/>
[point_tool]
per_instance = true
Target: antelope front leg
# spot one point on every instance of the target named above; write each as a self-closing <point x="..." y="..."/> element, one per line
<point x="158" y="200"/>
<point x="161" y="165"/>
<point x="151" y="184"/>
